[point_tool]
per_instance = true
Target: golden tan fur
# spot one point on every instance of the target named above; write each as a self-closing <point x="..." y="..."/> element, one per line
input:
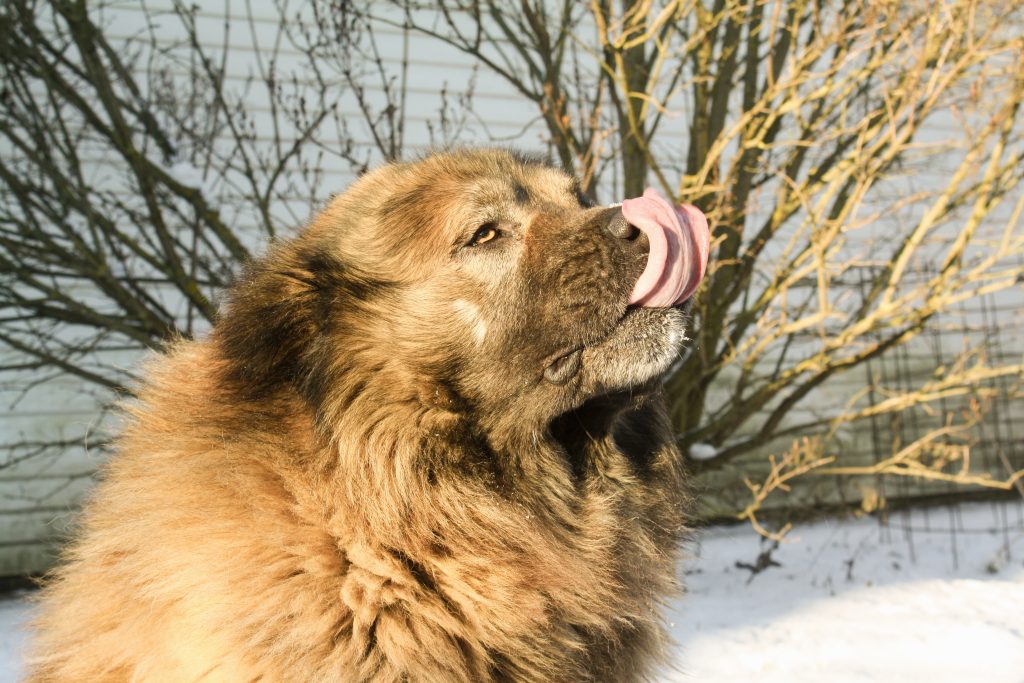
<point x="401" y="455"/>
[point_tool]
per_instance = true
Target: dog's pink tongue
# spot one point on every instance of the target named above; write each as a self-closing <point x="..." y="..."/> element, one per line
<point x="679" y="240"/>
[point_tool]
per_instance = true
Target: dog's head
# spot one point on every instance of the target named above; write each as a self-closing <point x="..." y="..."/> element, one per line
<point x="485" y="278"/>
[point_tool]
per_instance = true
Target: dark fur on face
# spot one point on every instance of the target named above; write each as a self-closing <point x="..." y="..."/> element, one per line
<point x="424" y="442"/>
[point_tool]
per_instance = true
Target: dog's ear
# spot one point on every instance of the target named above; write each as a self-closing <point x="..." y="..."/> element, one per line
<point x="273" y="314"/>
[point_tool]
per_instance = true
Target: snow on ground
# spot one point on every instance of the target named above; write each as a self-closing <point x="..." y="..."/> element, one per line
<point x="935" y="596"/>
<point x="13" y="613"/>
<point x="856" y="601"/>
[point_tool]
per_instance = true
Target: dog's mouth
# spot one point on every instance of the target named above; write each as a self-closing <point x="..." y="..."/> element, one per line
<point x="679" y="242"/>
<point x="562" y="366"/>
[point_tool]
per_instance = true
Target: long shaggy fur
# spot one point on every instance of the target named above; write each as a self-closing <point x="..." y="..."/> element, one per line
<point x="364" y="474"/>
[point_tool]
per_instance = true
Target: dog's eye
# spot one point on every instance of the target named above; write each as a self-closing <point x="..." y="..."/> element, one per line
<point x="486" y="233"/>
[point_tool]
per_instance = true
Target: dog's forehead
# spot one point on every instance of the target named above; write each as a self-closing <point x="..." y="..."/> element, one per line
<point x="403" y="216"/>
<point x="537" y="185"/>
<point x="550" y="185"/>
<point x="455" y="197"/>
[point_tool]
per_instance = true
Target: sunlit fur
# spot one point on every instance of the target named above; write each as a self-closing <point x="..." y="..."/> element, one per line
<point x="362" y="474"/>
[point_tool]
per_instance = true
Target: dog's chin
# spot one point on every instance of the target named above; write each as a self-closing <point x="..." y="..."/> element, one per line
<point x="639" y="351"/>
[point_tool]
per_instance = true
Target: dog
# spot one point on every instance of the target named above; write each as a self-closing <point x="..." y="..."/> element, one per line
<point x="424" y="441"/>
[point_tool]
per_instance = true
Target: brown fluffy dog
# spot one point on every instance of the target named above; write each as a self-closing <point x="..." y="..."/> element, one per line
<point x="423" y="442"/>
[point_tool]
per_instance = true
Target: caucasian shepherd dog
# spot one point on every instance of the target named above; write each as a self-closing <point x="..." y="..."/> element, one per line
<point x="424" y="442"/>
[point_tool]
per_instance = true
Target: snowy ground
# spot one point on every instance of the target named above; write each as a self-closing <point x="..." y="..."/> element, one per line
<point x="936" y="596"/>
<point x="12" y="616"/>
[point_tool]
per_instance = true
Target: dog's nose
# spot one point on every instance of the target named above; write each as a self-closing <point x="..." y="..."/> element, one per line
<point x="618" y="227"/>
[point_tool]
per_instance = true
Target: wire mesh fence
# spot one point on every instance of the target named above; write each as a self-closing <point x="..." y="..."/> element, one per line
<point x="991" y="330"/>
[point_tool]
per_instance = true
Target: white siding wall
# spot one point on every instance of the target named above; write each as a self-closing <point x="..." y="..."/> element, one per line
<point x="38" y="496"/>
